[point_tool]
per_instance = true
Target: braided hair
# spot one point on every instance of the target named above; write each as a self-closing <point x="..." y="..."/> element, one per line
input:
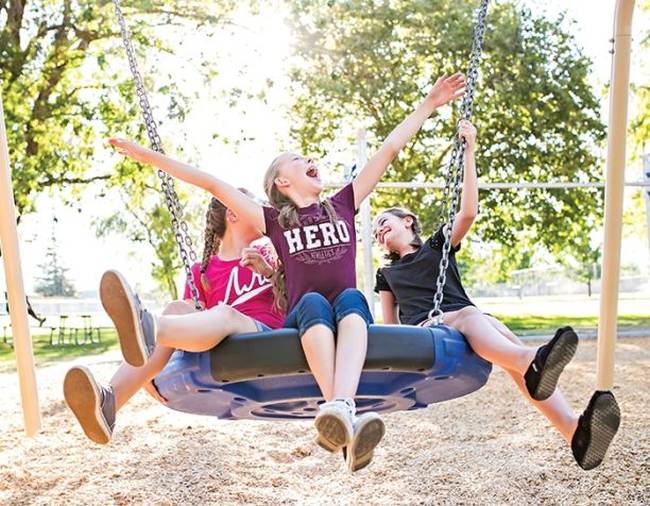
<point x="215" y="229"/>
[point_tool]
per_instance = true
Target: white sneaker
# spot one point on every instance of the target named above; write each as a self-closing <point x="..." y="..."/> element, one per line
<point x="335" y="424"/>
<point x="368" y="431"/>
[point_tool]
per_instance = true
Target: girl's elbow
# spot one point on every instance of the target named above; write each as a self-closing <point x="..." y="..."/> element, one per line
<point x="468" y="215"/>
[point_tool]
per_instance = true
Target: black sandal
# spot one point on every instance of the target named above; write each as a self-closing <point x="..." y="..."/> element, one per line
<point x="544" y="371"/>
<point x="596" y="429"/>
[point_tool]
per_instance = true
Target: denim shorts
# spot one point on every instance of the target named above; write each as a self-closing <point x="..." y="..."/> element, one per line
<point x="261" y="327"/>
<point x="313" y="309"/>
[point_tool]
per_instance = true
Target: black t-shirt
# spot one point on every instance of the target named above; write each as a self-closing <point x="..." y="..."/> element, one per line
<point x="412" y="281"/>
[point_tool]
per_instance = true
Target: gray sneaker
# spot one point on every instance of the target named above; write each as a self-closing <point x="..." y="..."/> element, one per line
<point x="91" y="403"/>
<point x="136" y="327"/>
<point x="334" y="424"/>
<point x="368" y="431"/>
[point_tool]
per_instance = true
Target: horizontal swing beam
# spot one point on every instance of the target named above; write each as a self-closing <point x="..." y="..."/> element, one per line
<point x="549" y="185"/>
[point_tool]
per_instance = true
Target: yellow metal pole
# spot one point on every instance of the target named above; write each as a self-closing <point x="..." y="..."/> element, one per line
<point x="16" y="292"/>
<point x="614" y="186"/>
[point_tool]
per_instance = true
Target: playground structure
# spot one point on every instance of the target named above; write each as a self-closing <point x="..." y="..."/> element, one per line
<point x="611" y="258"/>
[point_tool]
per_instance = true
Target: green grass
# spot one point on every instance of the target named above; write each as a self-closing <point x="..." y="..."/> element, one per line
<point x="531" y="324"/>
<point x="44" y="352"/>
<point x="522" y="325"/>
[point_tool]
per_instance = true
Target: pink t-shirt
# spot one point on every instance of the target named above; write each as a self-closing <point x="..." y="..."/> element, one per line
<point x="239" y="287"/>
<point x="318" y="256"/>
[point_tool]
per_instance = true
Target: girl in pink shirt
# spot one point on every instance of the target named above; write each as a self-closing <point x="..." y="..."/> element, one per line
<point x="234" y="287"/>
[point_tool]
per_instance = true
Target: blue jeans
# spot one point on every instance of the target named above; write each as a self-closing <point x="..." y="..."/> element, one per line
<point x="313" y="309"/>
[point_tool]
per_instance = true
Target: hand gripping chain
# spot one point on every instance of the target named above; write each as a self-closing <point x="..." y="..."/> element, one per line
<point x="453" y="180"/>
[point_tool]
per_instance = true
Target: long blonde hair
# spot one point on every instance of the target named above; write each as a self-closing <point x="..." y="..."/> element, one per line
<point x="287" y="217"/>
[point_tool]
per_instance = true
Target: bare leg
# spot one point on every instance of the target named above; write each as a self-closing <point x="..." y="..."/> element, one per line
<point x="556" y="409"/>
<point x="318" y="345"/>
<point x="201" y="331"/>
<point x="128" y="379"/>
<point x="350" y="355"/>
<point x="488" y="342"/>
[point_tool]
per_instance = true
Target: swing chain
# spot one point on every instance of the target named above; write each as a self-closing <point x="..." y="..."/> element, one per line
<point x="453" y="180"/>
<point x="179" y="225"/>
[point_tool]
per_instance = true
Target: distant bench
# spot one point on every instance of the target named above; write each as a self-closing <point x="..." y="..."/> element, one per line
<point x="76" y="329"/>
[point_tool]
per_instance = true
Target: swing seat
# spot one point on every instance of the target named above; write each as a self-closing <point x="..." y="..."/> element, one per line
<point x="266" y="376"/>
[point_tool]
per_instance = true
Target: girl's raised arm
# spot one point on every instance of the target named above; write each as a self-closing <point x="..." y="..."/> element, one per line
<point x="232" y="198"/>
<point x="469" y="198"/>
<point x="444" y="90"/>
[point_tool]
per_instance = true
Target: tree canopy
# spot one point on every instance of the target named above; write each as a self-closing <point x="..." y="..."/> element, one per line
<point x="66" y="86"/>
<point x="368" y="63"/>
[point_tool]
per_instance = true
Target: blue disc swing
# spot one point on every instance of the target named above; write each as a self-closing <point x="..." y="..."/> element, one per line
<point x="266" y="376"/>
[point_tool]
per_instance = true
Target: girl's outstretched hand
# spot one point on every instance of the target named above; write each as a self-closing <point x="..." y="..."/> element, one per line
<point x="129" y="148"/>
<point x="446" y="89"/>
<point x="467" y="131"/>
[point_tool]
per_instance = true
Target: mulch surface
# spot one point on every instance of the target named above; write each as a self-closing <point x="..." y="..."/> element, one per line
<point x="488" y="448"/>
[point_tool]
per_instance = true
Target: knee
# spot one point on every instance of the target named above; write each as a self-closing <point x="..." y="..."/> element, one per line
<point x="352" y="301"/>
<point x="468" y="312"/>
<point x="351" y="296"/>
<point x="224" y="312"/>
<point x="178" y="307"/>
<point x="313" y="309"/>
<point x="313" y="300"/>
<point x="461" y="317"/>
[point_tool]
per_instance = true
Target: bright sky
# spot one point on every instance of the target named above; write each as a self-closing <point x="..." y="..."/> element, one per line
<point x="250" y="54"/>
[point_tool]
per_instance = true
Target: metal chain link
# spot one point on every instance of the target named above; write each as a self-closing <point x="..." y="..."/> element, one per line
<point x="453" y="179"/>
<point x="179" y="225"/>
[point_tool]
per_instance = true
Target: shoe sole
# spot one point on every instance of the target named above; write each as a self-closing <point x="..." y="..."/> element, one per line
<point x="558" y="358"/>
<point x="83" y="397"/>
<point x="360" y="463"/>
<point x="325" y="445"/>
<point x="117" y="299"/>
<point x="603" y="425"/>
<point x="364" y="443"/>
<point x="332" y="432"/>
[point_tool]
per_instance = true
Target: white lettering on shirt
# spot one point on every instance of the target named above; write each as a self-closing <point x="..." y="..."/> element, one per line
<point x="294" y="240"/>
<point x="244" y="292"/>
<point x="316" y="236"/>
<point x="344" y="234"/>
<point x="310" y="235"/>
<point x="329" y="234"/>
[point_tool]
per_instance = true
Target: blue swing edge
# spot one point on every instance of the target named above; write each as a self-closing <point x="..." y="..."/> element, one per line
<point x="264" y="376"/>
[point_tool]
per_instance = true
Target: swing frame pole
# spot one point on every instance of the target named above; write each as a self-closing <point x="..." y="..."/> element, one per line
<point x="614" y="192"/>
<point x="21" y="335"/>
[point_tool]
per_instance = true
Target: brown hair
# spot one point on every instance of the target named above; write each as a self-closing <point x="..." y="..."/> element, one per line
<point x="287" y="217"/>
<point x="215" y="229"/>
<point x="401" y="212"/>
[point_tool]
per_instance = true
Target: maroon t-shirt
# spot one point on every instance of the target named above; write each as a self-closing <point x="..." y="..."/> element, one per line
<point x="318" y="256"/>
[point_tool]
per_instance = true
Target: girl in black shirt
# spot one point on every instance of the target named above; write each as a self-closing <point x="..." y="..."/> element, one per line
<point x="408" y="282"/>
